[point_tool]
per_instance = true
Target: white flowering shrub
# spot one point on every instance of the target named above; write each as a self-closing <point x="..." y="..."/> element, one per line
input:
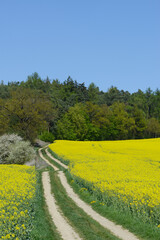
<point x="13" y="150"/>
<point x="5" y="141"/>
<point x="20" y="152"/>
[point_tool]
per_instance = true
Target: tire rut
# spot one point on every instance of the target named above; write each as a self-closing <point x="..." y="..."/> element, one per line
<point x="115" y="229"/>
<point x="63" y="227"/>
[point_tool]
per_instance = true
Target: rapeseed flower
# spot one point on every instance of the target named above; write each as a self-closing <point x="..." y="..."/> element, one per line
<point x="125" y="171"/>
<point x="17" y="190"/>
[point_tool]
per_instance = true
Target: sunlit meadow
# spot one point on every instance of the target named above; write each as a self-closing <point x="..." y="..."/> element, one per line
<point x="124" y="173"/>
<point x="17" y="190"/>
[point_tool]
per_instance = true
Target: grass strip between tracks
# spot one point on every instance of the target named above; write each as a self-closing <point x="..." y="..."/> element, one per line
<point x="144" y="230"/>
<point x="87" y="228"/>
<point x="43" y="224"/>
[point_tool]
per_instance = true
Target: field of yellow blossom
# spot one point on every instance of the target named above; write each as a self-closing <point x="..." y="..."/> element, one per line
<point x="126" y="173"/>
<point x="17" y="190"/>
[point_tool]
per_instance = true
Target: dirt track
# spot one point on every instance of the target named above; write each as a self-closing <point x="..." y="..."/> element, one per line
<point x="63" y="227"/>
<point x="116" y="230"/>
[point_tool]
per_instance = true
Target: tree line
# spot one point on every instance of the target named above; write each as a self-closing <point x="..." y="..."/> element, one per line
<point x="72" y="111"/>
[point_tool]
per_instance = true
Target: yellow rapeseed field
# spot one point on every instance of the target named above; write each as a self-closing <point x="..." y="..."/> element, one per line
<point x="17" y="189"/>
<point x="128" y="170"/>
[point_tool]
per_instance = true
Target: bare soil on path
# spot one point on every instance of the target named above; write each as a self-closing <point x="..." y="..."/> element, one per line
<point x="63" y="227"/>
<point x="116" y="230"/>
<point x="41" y="155"/>
<point x="56" y="160"/>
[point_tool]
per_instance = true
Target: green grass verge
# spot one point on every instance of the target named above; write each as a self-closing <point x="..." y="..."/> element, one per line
<point x="146" y="231"/>
<point x="87" y="228"/>
<point x="43" y="227"/>
<point x="66" y="162"/>
<point x="52" y="161"/>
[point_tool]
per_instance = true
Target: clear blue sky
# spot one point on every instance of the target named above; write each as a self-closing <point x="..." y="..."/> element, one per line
<point x="108" y="42"/>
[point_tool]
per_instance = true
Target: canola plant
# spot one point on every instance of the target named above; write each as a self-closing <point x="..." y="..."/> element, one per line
<point x="17" y="190"/>
<point x="125" y="172"/>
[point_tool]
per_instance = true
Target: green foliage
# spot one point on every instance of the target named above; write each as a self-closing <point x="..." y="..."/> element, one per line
<point x="93" y="92"/>
<point x="114" y="95"/>
<point x="4" y="91"/>
<point x="140" y="122"/>
<point x="73" y="125"/>
<point x="70" y="110"/>
<point x="3" y="120"/>
<point x="47" y="136"/>
<point x="153" y="128"/>
<point x="26" y="113"/>
<point x="121" y="124"/>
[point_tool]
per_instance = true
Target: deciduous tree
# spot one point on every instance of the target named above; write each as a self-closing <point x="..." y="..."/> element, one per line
<point x="26" y="113"/>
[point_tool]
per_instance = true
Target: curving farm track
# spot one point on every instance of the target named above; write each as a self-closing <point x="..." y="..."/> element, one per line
<point x="64" y="228"/>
